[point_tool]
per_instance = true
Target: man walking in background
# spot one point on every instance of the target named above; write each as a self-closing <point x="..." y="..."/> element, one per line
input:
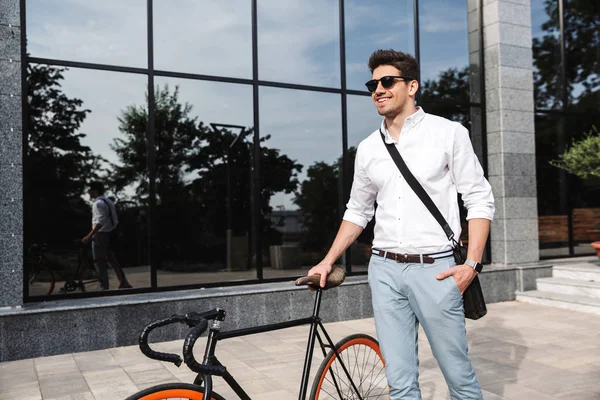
<point x="104" y="223"/>
<point x="412" y="274"/>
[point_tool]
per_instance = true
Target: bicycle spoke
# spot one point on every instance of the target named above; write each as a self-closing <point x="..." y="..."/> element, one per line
<point x="356" y="372"/>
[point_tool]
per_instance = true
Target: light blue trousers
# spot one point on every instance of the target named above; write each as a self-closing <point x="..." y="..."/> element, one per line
<point x="405" y="295"/>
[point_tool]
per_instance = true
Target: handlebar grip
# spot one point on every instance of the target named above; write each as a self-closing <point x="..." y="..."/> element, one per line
<point x="188" y="352"/>
<point x="155" y="355"/>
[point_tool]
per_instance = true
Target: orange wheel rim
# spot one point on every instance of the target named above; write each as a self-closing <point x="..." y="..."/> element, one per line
<point x="175" y="393"/>
<point x="363" y="341"/>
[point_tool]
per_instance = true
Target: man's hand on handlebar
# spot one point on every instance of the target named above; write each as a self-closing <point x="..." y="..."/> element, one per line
<point x="322" y="269"/>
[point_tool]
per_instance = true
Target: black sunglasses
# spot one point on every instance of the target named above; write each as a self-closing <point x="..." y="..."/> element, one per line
<point x="386" y="81"/>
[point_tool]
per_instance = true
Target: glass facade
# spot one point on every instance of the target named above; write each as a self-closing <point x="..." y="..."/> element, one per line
<point x="566" y="51"/>
<point x="225" y="133"/>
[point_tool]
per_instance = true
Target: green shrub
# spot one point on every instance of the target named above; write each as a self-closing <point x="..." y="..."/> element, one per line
<point x="583" y="157"/>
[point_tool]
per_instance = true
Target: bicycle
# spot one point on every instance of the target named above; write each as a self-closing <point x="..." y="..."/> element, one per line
<point x="353" y="368"/>
<point x="43" y="275"/>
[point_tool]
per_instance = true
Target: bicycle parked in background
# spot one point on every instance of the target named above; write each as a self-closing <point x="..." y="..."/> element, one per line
<point x="43" y="275"/>
<point x="353" y="368"/>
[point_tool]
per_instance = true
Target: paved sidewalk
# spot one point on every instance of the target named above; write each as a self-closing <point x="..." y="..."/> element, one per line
<point x="520" y="351"/>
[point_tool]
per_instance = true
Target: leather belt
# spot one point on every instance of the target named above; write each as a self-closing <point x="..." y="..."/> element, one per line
<point x="404" y="258"/>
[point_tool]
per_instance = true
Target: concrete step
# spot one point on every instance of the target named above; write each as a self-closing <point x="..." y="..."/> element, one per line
<point x="573" y="287"/>
<point x="584" y="272"/>
<point x="567" y="301"/>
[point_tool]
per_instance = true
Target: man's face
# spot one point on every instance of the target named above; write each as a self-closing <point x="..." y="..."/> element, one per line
<point x="391" y="101"/>
<point x="93" y="194"/>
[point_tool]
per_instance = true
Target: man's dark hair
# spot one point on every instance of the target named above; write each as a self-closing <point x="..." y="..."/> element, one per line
<point x="405" y="63"/>
<point x="98" y="186"/>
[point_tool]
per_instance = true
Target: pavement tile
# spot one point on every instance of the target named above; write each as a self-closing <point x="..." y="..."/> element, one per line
<point x="62" y="384"/>
<point x="27" y="391"/>
<point x="95" y="361"/>
<point x="79" y="396"/>
<point x="579" y="394"/>
<point x="515" y="391"/>
<point x="64" y="364"/>
<point x="151" y="377"/>
<point x="103" y="381"/>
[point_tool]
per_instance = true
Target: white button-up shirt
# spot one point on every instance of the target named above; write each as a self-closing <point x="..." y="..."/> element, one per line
<point x="102" y="211"/>
<point x="439" y="154"/>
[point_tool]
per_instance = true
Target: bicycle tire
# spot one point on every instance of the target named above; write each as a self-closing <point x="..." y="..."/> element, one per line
<point x="41" y="279"/>
<point x="362" y="358"/>
<point x="173" y="391"/>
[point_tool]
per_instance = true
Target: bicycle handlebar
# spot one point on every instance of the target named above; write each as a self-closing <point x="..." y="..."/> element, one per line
<point x="155" y="355"/>
<point x="188" y="353"/>
<point x="199" y="325"/>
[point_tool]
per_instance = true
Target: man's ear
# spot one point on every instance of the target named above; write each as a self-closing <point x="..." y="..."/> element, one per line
<point x="413" y="86"/>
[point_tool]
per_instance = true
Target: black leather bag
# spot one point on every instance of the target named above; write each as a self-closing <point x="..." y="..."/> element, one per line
<point x="473" y="300"/>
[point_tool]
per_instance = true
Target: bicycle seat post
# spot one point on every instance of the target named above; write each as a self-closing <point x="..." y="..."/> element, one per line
<point x="317" y="305"/>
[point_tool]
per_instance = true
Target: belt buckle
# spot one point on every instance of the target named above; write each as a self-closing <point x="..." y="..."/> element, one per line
<point x="401" y="257"/>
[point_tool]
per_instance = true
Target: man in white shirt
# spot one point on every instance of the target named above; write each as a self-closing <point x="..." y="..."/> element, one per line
<point x="427" y="289"/>
<point x="104" y="222"/>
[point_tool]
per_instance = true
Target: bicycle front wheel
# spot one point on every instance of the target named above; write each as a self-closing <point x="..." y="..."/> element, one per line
<point x="364" y="371"/>
<point x="173" y="391"/>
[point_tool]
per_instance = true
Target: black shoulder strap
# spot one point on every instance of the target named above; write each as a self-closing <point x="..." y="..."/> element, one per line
<point x="417" y="188"/>
<point x="110" y="213"/>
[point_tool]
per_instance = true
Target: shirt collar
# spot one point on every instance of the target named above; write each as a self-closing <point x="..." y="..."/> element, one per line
<point x="412" y="119"/>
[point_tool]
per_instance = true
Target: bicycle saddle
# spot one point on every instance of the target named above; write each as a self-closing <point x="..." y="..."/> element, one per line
<point x="335" y="278"/>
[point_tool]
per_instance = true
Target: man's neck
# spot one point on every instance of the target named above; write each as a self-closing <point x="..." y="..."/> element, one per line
<point x="394" y="124"/>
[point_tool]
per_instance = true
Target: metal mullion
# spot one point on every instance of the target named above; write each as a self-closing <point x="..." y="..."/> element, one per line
<point x="345" y="159"/>
<point x="151" y="151"/>
<point x="256" y="213"/>
<point x="563" y="123"/>
<point x="296" y="86"/>
<point x="212" y="78"/>
<point x="451" y="102"/>
<point x="417" y="44"/>
<point x="87" y="65"/>
<point x="358" y="92"/>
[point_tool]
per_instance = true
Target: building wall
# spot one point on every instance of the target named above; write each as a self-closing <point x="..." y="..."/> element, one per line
<point x="11" y="159"/>
<point x="510" y="130"/>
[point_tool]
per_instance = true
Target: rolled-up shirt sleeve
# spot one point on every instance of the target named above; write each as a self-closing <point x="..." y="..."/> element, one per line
<point x="360" y="208"/>
<point x="469" y="179"/>
<point x="100" y="213"/>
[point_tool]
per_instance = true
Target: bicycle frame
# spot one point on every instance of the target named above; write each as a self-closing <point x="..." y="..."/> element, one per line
<point x="216" y="335"/>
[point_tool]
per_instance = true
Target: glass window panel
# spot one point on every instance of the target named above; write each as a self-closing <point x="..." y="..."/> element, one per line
<point x="301" y="144"/>
<point x="98" y="31"/>
<point x="212" y="38"/>
<point x="584" y="194"/>
<point x="582" y="42"/>
<point x="366" y="33"/>
<point x="553" y="225"/>
<point x="298" y="42"/>
<point x="79" y="130"/>
<point x="444" y="46"/>
<point x="363" y="120"/>
<point x="546" y="54"/>
<point x="194" y="164"/>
